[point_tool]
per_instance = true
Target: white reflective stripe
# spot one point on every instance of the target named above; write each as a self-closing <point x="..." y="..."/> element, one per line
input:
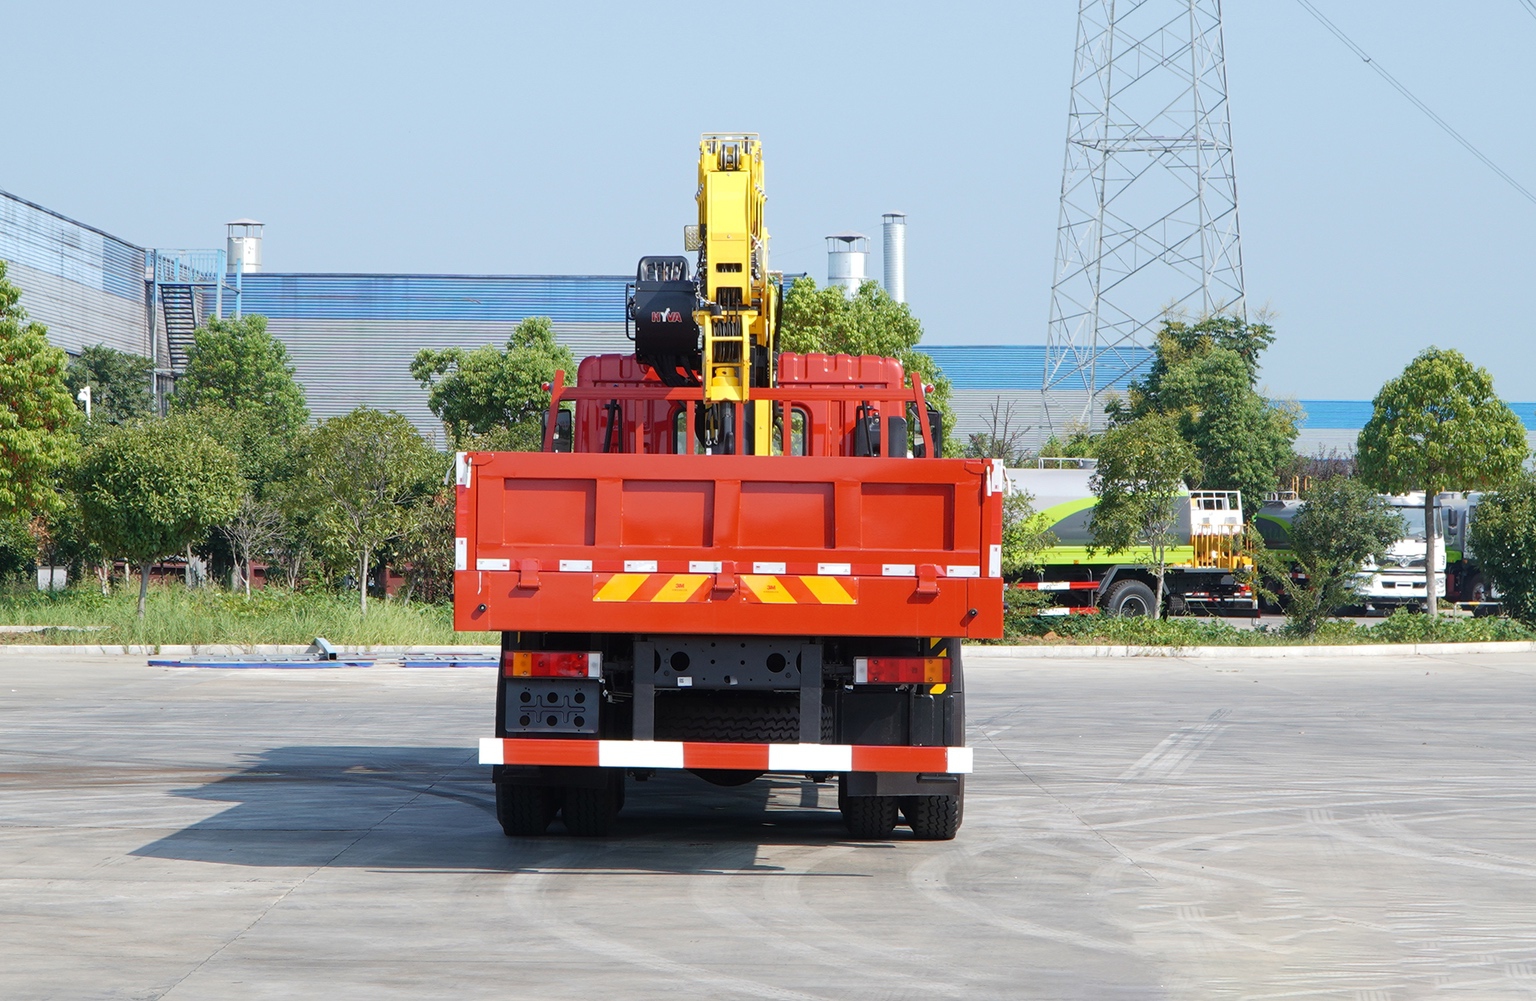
<point x="995" y="561"/>
<point x="483" y="564"/>
<point x="1054" y="585"/>
<point x="960" y="760"/>
<point x="639" y="566"/>
<point x="810" y="758"/>
<point x="860" y="670"/>
<point x="1054" y="611"/>
<point x="898" y="569"/>
<point x="834" y="569"/>
<point x="964" y="571"/>
<point x="461" y="468"/>
<point x="576" y="566"/>
<point x="703" y="566"/>
<point x="594" y="665"/>
<point x="460" y="553"/>
<point x="640" y="754"/>
<point x="768" y="568"/>
<point x="491" y="751"/>
<point x="997" y="478"/>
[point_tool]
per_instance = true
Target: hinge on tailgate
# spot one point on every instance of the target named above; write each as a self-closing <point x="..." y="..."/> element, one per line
<point x="528" y="574"/>
<point x="725" y="580"/>
<point x="927" y="579"/>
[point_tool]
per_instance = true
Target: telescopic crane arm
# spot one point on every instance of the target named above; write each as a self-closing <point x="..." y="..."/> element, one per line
<point x="718" y="328"/>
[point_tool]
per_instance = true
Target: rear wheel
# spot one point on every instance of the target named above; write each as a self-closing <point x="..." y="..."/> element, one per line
<point x="1132" y="599"/>
<point x="525" y="811"/>
<point x="590" y="812"/>
<point x="869" y="818"/>
<point x="933" y="818"/>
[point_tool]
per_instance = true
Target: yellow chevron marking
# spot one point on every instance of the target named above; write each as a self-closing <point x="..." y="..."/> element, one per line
<point x="828" y="590"/>
<point x="768" y="589"/>
<point x="680" y="587"/>
<point x="620" y="586"/>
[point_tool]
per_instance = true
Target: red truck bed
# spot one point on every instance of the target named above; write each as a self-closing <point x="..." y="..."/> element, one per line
<point x="757" y="545"/>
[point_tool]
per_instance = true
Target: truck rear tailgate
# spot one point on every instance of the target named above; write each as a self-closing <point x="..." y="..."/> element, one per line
<point x="772" y="545"/>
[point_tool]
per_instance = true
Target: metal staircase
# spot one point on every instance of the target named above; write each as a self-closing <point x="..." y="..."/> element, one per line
<point x="184" y="282"/>
<point x="179" y="305"/>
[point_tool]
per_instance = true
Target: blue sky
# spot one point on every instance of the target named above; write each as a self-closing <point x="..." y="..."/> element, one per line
<point x="561" y="138"/>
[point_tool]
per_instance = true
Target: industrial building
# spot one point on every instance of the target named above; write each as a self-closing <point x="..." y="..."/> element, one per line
<point x="351" y="337"/>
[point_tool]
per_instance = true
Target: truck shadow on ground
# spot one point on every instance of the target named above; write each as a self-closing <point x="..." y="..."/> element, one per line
<point x="434" y="808"/>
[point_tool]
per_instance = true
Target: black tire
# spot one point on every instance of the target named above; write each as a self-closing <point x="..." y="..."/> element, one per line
<point x="934" y="818"/>
<point x="1131" y="599"/>
<point x="525" y="811"/>
<point x="1476" y="588"/>
<point x="590" y="812"/>
<point x="869" y="818"/>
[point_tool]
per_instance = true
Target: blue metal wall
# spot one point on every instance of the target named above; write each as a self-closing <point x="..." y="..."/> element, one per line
<point x="85" y="285"/>
<point x="352" y="337"/>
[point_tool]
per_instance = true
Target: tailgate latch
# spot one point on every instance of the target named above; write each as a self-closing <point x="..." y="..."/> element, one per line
<point x="927" y="579"/>
<point x="528" y="574"/>
<point x="725" y="580"/>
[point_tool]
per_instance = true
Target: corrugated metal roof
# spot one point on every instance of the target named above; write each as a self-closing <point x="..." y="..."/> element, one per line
<point x="1022" y="366"/>
<point x="475" y="298"/>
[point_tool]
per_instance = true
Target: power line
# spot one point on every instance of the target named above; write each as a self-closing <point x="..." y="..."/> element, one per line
<point x="1398" y="86"/>
<point x="1530" y="7"/>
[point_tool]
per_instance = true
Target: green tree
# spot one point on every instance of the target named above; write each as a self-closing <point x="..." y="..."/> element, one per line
<point x="492" y="392"/>
<point x="237" y="365"/>
<point x="152" y="488"/>
<point x="1141" y="476"/>
<point x="18" y="547"/>
<point x="38" y="417"/>
<point x="364" y="473"/>
<point x="869" y="322"/>
<point x="266" y="455"/>
<point x="1341" y="526"/>
<point x="1439" y="426"/>
<point x="1504" y="539"/>
<point x="120" y="383"/>
<point x="425" y="547"/>
<point x="1205" y="374"/>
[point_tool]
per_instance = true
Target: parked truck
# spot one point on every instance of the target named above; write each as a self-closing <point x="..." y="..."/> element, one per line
<point x="1465" y="582"/>
<point x="1399" y="581"/>
<point x="729" y="560"/>
<point x="1203" y="567"/>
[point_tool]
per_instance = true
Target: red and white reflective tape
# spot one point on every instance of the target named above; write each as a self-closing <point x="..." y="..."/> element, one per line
<point x="505" y="563"/>
<point x="1056" y="585"/>
<point x="827" y="758"/>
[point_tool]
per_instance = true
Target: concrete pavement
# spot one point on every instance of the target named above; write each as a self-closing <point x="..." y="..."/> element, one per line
<point x="1353" y="829"/>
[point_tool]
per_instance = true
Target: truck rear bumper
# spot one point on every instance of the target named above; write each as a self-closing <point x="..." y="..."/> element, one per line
<point x="827" y="758"/>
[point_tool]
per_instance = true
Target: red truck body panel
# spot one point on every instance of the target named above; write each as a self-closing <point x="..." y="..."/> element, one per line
<point x="737" y="544"/>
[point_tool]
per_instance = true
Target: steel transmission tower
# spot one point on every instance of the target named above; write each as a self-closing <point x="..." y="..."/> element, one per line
<point x="1148" y="195"/>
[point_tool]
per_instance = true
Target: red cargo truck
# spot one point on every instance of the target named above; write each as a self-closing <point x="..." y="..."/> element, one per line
<point x="668" y="600"/>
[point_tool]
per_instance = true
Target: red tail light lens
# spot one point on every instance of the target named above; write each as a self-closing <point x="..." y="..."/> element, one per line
<point x="540" y="664"/>
<point x="901" y="670"/>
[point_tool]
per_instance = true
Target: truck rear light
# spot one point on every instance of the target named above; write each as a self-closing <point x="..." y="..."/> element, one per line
<point x="530" y="664"/>
<point x="901" y="670"/>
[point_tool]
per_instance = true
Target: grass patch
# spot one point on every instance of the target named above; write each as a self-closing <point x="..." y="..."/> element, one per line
<point x="174" y="614"/>
<point x="1399" y="627"/>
